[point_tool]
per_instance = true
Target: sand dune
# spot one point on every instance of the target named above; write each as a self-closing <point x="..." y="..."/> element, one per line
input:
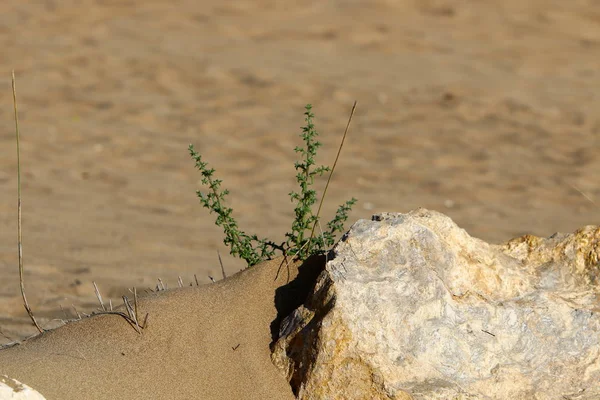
<point x="207" y="342"/>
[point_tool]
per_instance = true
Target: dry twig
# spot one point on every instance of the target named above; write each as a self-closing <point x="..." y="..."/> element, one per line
<point x="221" y="262"/>
<point x="122" y="315"/>
<point x="76" y="312"/>
<point x="132" y="313"/>
<point x="19" y="226"/>
<point x="99" y="296"/>
<point x="135" y="303"/>
<point x="145" y="324"/>
<point x="312" y="233"/>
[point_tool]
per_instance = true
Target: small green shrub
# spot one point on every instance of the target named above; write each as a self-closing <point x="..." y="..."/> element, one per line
<point x="301" y="242"/>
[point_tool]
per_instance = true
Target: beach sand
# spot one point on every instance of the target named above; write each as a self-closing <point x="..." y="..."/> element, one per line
<point x="207" y="342"/>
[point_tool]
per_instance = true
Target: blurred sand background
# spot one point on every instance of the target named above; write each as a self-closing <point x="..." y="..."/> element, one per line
<point x="484" y="110"/>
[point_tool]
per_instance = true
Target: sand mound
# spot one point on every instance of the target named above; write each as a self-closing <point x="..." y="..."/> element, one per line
<point x="208" y="342"/>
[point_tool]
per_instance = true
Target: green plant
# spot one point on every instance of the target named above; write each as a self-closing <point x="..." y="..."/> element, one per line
<point x="247" y="247"/>
<point x="298" y="244"/>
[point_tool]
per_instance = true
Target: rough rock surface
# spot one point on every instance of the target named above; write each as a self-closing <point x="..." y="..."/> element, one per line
<point x="12" y="389"/>
<point x="411" y="307"/>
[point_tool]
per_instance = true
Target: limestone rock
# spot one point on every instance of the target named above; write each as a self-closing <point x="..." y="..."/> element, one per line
<point x="12" y="389"/>
<point x="411" y="307"/>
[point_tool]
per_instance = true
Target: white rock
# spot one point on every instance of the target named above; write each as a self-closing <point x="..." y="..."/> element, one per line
<point x="12" y="389"/>
<point x="412" y="307"/>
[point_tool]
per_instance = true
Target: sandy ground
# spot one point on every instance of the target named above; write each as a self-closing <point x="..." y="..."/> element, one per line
<point x="209" y="342"/>
<point x="484" y="110"/>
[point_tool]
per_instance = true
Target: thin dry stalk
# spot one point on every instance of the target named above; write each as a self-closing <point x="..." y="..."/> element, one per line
<point x="285" y="260"/>
<point x="135" y="302"/>
<point x="196" y="279"/>
<point x="19" y="226"/>
<point x="123" y="315"/>
<point x="128" y="307"/>
<point x="145" y="324"/>
<point x="131" y="312"/>
<point x="221" y="262"/>
<point x="581" y="192"/>
<point x="64" y="312"/>
<point x="180" y="281"/>
<point x="312" y="233"/>
<point x="326" y="253"/>
<point x="76" y="312"/>
<point x="99" y="296"/>
<point x="4" y="335"/>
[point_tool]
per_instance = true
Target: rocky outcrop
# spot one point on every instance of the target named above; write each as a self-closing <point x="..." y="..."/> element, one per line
<point x="411" y="307"/>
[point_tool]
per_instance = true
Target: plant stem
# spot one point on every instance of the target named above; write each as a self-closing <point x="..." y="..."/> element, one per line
<point x="312" y="232"/>
<point x="19" y="229"/>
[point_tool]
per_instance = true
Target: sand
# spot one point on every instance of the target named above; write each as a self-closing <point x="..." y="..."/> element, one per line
<point x="207" y="342"/>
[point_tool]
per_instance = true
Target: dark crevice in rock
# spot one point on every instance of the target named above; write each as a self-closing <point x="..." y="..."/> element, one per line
<point x="294" y="294"/>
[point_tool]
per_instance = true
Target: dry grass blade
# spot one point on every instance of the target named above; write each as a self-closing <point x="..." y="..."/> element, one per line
<point x="99" y="296"/>
<point x="221" y="262"/>
<point x="581" y="192"/>
<point x="19" y="226"/>
<point x="135" y="303"/>
<point x="76" y="312"/>
<point x="64" y="312"/>
<point x="145" y="324"/>
<point x="132" y="313"/>
<point x="312" y="233"/>
<point x="4" y="335"/>
<point x="285" y="260"/>
<point x="122" y="315"/>
<point x="128" y="307"/>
